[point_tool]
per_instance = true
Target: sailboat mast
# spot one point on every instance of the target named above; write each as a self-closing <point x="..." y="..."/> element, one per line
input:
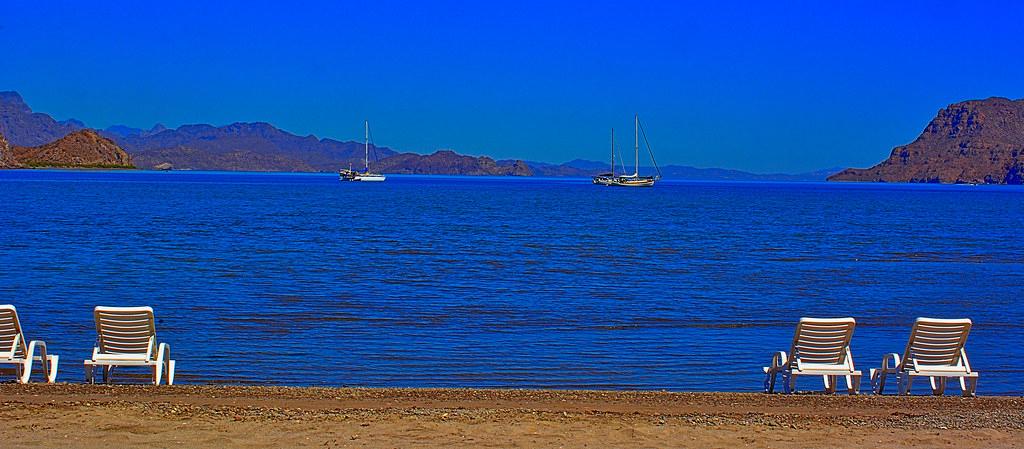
<point x="636" y="144"/>
<point x="366" y="144"/>
<point x="613" y="151"/>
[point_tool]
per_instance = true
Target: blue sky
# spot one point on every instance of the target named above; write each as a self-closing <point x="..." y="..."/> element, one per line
<point x="792" y="87"/>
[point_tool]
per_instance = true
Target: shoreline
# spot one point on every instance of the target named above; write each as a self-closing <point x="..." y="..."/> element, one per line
<point x="584" y="180"/>
<point x="79" y="415"/>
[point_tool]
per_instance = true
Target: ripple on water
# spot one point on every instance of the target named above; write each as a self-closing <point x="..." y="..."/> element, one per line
<point x="473" y="283"/>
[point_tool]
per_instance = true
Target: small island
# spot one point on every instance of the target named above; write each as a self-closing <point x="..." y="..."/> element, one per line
<point x="80" y="149"/>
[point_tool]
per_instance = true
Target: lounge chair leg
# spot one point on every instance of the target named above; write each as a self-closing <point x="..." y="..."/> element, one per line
<point x="21" y="369"/>
<point x="789" y="383"/>
<point x="158" y="372"/>
<point x="876" y="377"/>
<point x="853" y="384"/>
<point x="938" y="385"/>
<point x="769" y="381"/>
<point x="907" y="382"/>
<point x="90" y="374"/>
<point x="830" y="384"/>
<point x="971" y="387"/>
<point x="107" y="370"/>
<point x="51" y="373"/>
<point x="170" y="372"/>
<point x="163" y="355"/>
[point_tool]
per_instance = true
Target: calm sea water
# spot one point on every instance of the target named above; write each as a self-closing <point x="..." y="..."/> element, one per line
<point x="484" y="282"/>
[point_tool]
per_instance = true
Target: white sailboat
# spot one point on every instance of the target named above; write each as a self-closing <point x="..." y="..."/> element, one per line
<point x="634" y="180"/>
<point x="366" y="175"/>
<point x="606" y="178"/>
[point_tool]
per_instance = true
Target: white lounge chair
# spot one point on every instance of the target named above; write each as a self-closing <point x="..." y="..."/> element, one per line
<point x="821" y="347"/>
<point x="126" y="336"/>
<point x="936" y="351"/>
<point x="14" y="352"/>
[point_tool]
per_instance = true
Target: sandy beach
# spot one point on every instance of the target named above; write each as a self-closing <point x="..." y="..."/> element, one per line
<point x="89" y="416"/>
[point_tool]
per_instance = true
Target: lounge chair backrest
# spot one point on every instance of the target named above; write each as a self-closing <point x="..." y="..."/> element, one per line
<point x="11" y="338"/>
<point x="936" y="342"/>
<point x="125" y="330"/>
<point x="822" y="340"/>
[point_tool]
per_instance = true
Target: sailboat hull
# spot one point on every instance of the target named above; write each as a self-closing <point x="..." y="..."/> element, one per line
<point x="352" y="176"/>
<point x="370" y="178"/>
<point x="632" y="181"/>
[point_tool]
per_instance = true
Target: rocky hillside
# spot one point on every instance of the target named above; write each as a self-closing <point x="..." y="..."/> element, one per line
<point x="22" y="127"/>
<point x="83" y="148"/>
<point x="6" y="157"/>
<point x="978" y="141"/>
<point x="448" y="162"/>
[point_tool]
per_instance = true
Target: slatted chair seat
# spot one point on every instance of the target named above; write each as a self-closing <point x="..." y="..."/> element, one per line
<point x="821" y="347"/>
<point x="126" y="336"/>
<point x="141" y="359"/>
<point x="935" y="350"/>
<point x="20" y="354"/>
<point x="926" y="370"/>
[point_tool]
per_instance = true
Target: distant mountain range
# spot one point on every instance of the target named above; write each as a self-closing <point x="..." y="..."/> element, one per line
<point x="263" y="147"/>
<point x="977" y="142"/>
<point x="585" y="168"/>
<point x="239" y="146"/>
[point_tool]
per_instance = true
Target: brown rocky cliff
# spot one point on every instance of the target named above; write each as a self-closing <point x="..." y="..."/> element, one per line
<point x="6" y="158"/>
<point x="83" y="148"/>
<point x="978" y="141"/>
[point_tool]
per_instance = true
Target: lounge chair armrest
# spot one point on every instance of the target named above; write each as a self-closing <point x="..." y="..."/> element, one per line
<point x="14" y="346"/>
<point x="41" y="345"/>
<point x="779" y="360"/>
<point x="894" y="358"/>
<point x="963" y="360"/>
<point x="32" y="345"/>
<point x="163" y="352"/>
<point x="49" y="366"/>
